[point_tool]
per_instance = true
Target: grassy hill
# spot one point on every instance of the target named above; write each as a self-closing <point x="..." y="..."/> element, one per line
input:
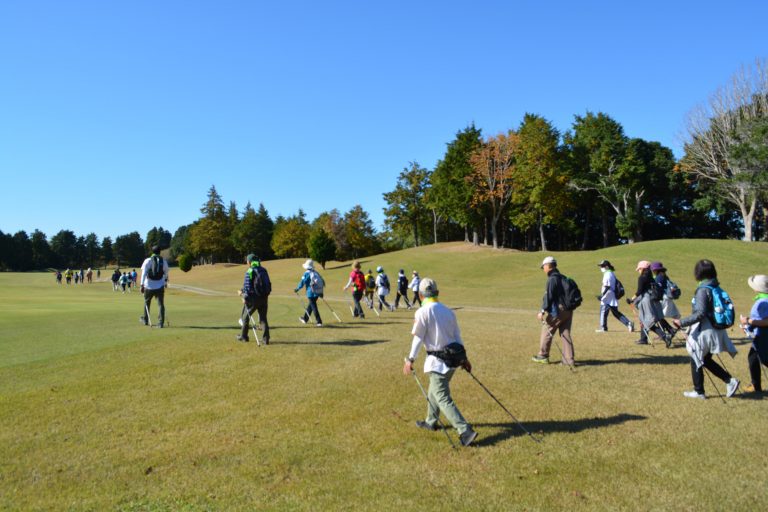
<point x="100" y="413"/>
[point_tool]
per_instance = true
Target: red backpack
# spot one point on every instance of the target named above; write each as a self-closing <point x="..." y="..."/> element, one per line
<point x="359" y="279"/>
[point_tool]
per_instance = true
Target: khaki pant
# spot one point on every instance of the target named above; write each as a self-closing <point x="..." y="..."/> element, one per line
<point x="440" y="400"/>
<point x="562" y="324"/>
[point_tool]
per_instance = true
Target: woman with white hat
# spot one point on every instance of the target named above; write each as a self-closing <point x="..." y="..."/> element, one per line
<point x="311" y="280"/>
<point x="756" y="327"/>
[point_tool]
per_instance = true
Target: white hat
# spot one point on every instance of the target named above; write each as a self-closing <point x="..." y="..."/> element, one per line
<point x="759" y="283"/>
<point x="379" y="269"/>
<point x="549" y="260"/>
<point x="308" y="265"/>
<point x="428" y="287"/>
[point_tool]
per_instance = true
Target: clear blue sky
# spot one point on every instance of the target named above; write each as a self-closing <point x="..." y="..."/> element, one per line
<point x="119" y="116"/>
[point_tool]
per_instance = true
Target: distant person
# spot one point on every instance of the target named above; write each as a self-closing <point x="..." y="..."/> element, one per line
<point x="357" y="282"/>
<point x="98" y="273"/>
<point x="314" y="291"/>
<point x="382" y="288"/>
<point x="58" y="277"/>
<point x="134" y="277"/>
<point x="414" y="285"/>
<point x="255" y="295"/>
<point x="608" y="300"/>
<point x="68" y="276"/>
<point x="668" y="306"/>
<point x="154" y="281"/>
<point x="554" y="316"/>
<point x="124" y="281"/>
<point x="402" y="289"/>
<point x="647" y="300"/>
<point x="77" y="277"/>
<point x="89" y="275"/>
<point x="115" y="279"/>
<point x="756" y="327"/>
<point x="82" y="276"/>
<point x="703" y="338"/>
<point x="436" y="328"/>
<point x="370" y="287"/>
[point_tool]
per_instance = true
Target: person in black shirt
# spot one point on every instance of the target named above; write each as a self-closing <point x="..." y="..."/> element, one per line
<point x="554" y="316"/>
<point x="647" y="300"/>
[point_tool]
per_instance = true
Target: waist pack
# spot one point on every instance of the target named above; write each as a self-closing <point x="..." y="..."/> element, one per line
<point x="452" y="355"/>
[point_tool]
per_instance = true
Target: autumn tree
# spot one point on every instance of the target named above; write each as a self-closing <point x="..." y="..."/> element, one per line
<point x="209" y="237"/>
<point x="290" y="237"/>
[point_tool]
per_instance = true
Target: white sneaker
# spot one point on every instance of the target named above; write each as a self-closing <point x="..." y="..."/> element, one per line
<point x="732" y="387"/>
<point x="631" y="327"/>
<point x="694" y="394"/>
<point x="601" y="330"/>
<point x="240" y="321"/>
<point x="301" y="319"/>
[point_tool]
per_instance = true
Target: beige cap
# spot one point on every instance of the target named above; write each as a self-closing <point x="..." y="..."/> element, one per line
<point x="428" y="288"/>
<point x="643" y="264"/>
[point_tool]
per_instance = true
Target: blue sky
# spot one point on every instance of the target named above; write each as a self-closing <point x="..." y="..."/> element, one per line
<point x="119" y="116"/>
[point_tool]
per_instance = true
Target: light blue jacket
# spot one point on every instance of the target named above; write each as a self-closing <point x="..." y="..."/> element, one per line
<point x="305" y="283"/>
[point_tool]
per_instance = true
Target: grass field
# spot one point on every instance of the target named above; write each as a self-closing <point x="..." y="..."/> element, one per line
<point x="100" y="413"/>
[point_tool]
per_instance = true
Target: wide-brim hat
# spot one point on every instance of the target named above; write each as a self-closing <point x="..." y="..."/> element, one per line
<point x="759" y="283"/>
<point x="658" y="266"/>
<point x="308" y="265"/>
<point x="643" y="264"/>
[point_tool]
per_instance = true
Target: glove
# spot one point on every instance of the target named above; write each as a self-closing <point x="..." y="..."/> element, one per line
<point x="629" y="301"/>
<point x="598" y="297"/>
<point x="142" y="288"/>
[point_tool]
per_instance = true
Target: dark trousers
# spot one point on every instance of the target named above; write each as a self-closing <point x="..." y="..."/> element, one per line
<point x="755" y="360"/>
<point x="160" y="295"/>
<point x="404" y="295"/>
<point x="357" y="296"/>
<point x="416" y="298"/>
<point x="259" y="305"/>
<point x="697" y="374"/>
<point x="312" y="308"/>
<point x="605" y="309"/>
<point x="383" y="302"/>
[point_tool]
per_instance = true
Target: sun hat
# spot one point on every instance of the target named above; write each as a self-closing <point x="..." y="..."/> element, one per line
<point x="308" y="265"/>
<point x="759" y="283"/>
<point x="428" y="288"/>
<point x="379" y="269"/>
<point x="657" y="266"/>
<point x="549" y="260"/>
<point x="643" y="264"/>
<point x="605" y="263"/>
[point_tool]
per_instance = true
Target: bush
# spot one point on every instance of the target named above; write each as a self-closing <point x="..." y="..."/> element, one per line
<point x="185" y="262"/>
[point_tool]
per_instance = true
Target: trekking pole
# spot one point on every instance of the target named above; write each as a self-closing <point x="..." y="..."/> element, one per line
<point x="373" y="307"/>
<point x="146" y="310"/>
<point x="714" y="386"/>
<point x="253" y="327"/>
<point x="562" y="355"/>
<point x="519" y="424"/>
<point x="329" y="307"/>
<point x="429" y="404"/>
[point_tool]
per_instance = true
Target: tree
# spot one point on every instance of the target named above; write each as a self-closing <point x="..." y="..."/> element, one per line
<point x="290" y="237"/>
<point x="493" y="168"/>
<point x="360" y="233"/>
<point x="333" y="224"/>
<point x="541" y="195"/>
<point x="129" y="249"/>
<point x="244" y="233"/>
<point x="264" y="230"/>
<point x="21" y="256"/>
<point x="407" y="210"/>
<point x="185" y="262"/>
<point x="180" y="241"/>
<point x="92" y="249"/>
<point x="321" y="247"/>
<point x="107" y="253"/>
<point x="209" y="237"/>
<point x="716" y="128"/>
<point x="42" y="256"/>
<point x="6" y="250"/>
<point x="63" y="246"/>
<point x="450" y="191"/>
<point x="157" y="236"/>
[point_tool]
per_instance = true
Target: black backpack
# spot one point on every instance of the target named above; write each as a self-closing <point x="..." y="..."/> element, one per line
<point x="260" y="284"/>
<point x="571" y="293"/>
<point x="655" y="291"/>
<point x="155" y="270"/>
<point x="619" y="289"/>
<point x="385" y="281"/>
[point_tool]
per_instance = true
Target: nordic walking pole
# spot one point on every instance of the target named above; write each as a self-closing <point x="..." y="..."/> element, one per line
<point x="714" y="386"/>
<point x="329" y="307"/>
<point x="429" y="404"/>
<point x="562" y="355"/>
<point x="373" y="307"/>
<point x="519" y="424"/>
<point x="253" y="327"/>
<point x="146" y="310"/>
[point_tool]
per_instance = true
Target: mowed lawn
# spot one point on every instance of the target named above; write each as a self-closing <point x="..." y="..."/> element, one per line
<point x="100" y="413"/>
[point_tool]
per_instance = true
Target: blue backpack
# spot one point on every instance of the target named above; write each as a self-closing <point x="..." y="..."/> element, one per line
<point x="723" y="314"/>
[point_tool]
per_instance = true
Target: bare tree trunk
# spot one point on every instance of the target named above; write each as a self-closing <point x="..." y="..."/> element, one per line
<point x="485" y="231"/>
<point x="475" y="236"/>
<point x="765" y="222"/>
<point x="541" y="233"/>
<point x="434" y="225"/>
<point x="605" y="228"/>
<point x="466" y="233"/>
<point x="748" y="215"/>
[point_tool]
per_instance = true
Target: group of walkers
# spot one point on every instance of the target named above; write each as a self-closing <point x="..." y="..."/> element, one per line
<point x="364" y="285"/>
<point x="125" y="281"/>
<point x="79" y="277"/>
<point x="653" y="302"/>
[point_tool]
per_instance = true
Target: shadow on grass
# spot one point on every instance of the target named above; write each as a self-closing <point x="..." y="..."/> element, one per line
<point x="233" y="327"/>
<point x="340" y="343"/>
<point x="537" y="428"/>
<point x="642" y="359"/>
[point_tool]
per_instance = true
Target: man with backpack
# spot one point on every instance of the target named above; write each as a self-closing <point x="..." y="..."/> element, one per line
<point x="154" y="280"/>
<point x="314" y="284"/>
<point x="382" y="288"/>
<point x="611" y="291"/>
<point x="557" y="312"/>
<point x="402" y="289"/>
<point x="255" y="295"/>
<point x="370" y="287"/>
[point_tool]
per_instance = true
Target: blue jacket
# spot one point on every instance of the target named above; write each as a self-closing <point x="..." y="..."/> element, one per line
<point x="305" y="283"/>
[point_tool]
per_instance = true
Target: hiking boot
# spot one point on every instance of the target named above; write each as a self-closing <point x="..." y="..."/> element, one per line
<point x="732" y="387"/>
<point x="244" y="339"/>
<point x="668" y="340"/>
<point x="540" y="359"/>
<point x="468" y="437"/>
<point x="601" y="330"/>
<point x="301" y="319"/>
<point x="143" y="320"/>
<point x="631" y="327"/>
<point x="752" y="389"/>
<point x="426" y="426"/>
<point x="641" y="342"/>
<point x="694" y="394"/>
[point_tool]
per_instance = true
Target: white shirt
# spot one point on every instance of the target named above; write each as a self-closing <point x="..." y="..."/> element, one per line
<point x="435" y="326"/>
<point x="609" y="280"/>
<point x="383" y="290"/>
<point x="153" y="284"/>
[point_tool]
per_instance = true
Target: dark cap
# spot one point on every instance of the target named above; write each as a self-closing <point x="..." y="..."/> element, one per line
<point x="252" y="258"/>
<point x="155" y="249"/>
<point x="605" y="263"/>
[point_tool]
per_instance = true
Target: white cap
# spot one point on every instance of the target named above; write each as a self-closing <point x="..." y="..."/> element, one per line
<point x="549" y="260"/>
<point x="428" y="288"/>
<point x="308" y="265"/>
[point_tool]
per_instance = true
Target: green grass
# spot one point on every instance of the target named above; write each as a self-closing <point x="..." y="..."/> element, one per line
<point x="99" y="413"/>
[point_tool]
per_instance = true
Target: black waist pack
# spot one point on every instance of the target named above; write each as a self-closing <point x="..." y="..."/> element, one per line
<point x="452" y="355"/>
